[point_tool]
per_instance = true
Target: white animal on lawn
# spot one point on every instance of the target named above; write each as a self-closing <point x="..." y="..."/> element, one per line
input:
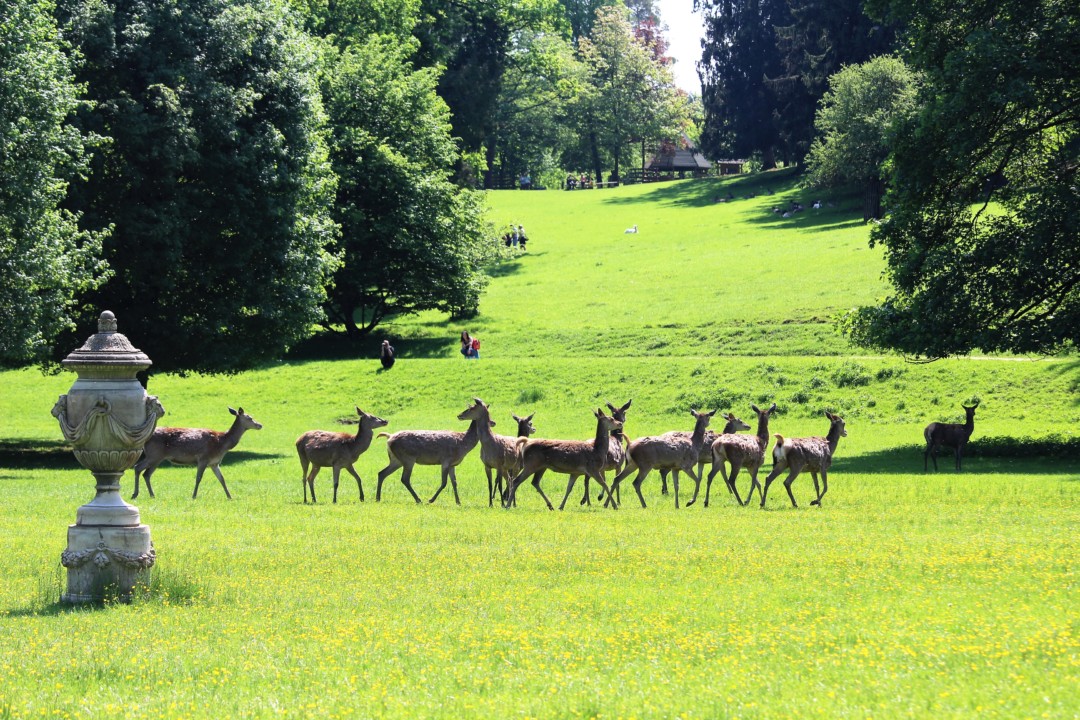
<point x="630" y="230"/>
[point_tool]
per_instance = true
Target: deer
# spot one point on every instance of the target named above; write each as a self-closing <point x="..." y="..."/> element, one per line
<point x="616" y="452"/>
<point x="732" y="426"/>
<point x="505" y="460"/>
<point x="192" y="446"/>
<point x="813" y="453"/>
<point x="953" y="435"/>
<point x="335" y="450"/>
<point x="741" y="451"/>
<point x="445" y="448"/>
<point x="671" y="451"/>
<point x="573" y="457"/>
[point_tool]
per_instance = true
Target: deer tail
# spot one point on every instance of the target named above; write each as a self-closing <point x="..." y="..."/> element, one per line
<point x="383" y="434"/>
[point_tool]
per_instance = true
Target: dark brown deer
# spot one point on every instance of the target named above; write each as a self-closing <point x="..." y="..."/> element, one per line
<point x="732" y="426"/>
<point x="336" y="450"/>
<point x="813" y="453"/>
<point x="497" y="452"/>
<point x="573" y="457"/>
<point x="742" y="451"/>
<point x="672" y="451"/>
<point x="192" y="446"/>
<point x="616" y="451"/>
<point x="951" y="435"/>
<point x="445" y="448"/>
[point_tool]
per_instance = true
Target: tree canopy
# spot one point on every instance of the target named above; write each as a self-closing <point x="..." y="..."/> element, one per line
<point x="215" y="179"/>
<point x="981" y="242"/>
<point x="46" y="261"/>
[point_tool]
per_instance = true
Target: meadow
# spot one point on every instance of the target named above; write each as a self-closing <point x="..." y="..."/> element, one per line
<point x="907" y="594"/>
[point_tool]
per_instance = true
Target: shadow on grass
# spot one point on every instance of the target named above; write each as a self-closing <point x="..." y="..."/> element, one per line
<point x="329" y="346"/>
<point x="28" y="454"/>
<point x="707" y="191"/>
<point x="1052" y="455"/>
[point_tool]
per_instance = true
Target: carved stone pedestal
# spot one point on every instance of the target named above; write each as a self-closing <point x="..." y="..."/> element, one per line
<point x="107" y="417"/>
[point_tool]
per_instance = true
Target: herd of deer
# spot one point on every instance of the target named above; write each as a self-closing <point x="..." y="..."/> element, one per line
<point x="515" y="459"/>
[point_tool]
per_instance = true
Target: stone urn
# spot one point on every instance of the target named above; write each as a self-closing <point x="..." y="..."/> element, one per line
<point x="107" y="417"/>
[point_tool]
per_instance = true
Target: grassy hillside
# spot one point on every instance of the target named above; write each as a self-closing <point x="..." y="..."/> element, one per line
<point x="907" y="594"/>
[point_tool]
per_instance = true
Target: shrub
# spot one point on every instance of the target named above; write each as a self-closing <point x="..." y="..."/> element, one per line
<point x="851" y="374"/>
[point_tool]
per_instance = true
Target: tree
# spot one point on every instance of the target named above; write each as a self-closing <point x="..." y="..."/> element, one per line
<point x="412" y="240"/>
<point x="46" y="261"/>
<point x="855" y="120"/>
<point x="215" y="177"/>
<point x="740" y="53"/>
<point x="981" y="245"/>
<point x="631" y="97"/>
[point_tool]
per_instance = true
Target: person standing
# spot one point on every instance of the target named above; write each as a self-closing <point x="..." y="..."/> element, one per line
<point x="386" y="355"/>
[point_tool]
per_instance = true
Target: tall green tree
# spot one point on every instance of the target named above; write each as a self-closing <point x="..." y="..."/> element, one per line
<point x="631" y="95"/>
<point x="412" y="240"/>
<point x="856" y="120"/>
<point x="740" y="55"/>
<point x="46" y="261"/>
<point x="981" y="243"/>
<point x="216" y="177"/>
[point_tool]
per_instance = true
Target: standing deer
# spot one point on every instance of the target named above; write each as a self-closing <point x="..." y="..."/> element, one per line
<point x="951" y="435"/>
<point x="336" y="450"/>
<point x="445" y="448"/>
<point x="741" y="451"/>
<point x="192" y="446"/>
<point x="732" y="426"/>
<point x="813" y="453"/>
<point x="671" y="451"/>
<point x="573" y="457"/>
<point x="506" y="459"/>
<point x="616" y="453"/>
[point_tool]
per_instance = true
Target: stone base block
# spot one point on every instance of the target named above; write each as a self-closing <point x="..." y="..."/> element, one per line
<point x="106" y="561"/>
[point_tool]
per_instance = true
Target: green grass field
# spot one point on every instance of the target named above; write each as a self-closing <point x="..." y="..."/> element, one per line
<point x="907" y="594"/>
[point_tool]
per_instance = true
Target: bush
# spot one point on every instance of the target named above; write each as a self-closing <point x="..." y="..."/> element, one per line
<point x="851" y="374"/>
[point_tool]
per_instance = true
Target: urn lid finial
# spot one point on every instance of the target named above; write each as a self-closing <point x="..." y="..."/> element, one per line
<point x="107" y="348"/>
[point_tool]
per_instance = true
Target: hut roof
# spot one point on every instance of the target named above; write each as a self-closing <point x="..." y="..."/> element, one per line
<point x="678" y="159"/>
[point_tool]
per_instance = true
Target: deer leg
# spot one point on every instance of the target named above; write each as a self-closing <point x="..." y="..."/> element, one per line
<point x="603" y="486"/>
<point x="697" y="482"/>
<point x="221" y="479"/>
<point x="198" y="479"/>
<point x="933" y="456"/>
<point x="643" y="472"/>
<point x="337" y="478"/>
<point x="384" y="473"/>
<point x="536" y="484"/>
<point x="663" y="482"/>
<point x="824" y="486"/>
<point x="569" y="487"/>
<point x="925" y="456"/>
<point x="732" y="487"/>
<point x="716" y="467"/>
<point x="406" y="476"/>
<point x="303" y="477"/>
<point x="817" y="488"/>
<point x="359" y="484"/>
<point x="958" y="458"/>
<point x="585" y="499"/>
<point x="491" y="486"/>
<point x="309" y="481"/>
<point x="787" y="484"/>
<point x="453" y="483"/>
<point x="753" y="484"/>
<point x="616" y="480"/>
<point x="444" y="475"/>
<point x="777" y="469"/>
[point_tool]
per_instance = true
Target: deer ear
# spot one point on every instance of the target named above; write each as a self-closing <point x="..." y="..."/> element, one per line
<point x="627" y="405"/>
<point x="755" y="409"/>
<point x="599" y="412"/>
<point x="233" y="412"/>
<point x="772" y="407"/>
<point x="516" y="418"/>
<point x="610" y="407"/>
<point x="359" y="411"/>
<point x="529" y="418"/>
<point x="714" y="412"/>
<point x="491" y="422"/>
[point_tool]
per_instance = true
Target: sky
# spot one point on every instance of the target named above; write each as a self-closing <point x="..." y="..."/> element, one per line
<point x="684" y="41"/>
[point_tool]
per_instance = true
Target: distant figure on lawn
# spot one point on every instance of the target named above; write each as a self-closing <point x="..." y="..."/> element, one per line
<point x="470" y="346"/>
<point x="386" y="355"/>
<point x="630" y="230"/>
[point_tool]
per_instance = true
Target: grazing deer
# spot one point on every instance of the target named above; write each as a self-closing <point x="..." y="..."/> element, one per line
<point x="573" y="457"/>
<point x="741" y="451"/>
<point x="669" y="451"/>
<point x="814" y="454"/>
<point x="732" y="426"/>
<point x="445" y="448"/>
<point x="616" y="452"/>
<point x="952" y="435"/>
<point x="192" y="446"/>
<point x="336" y="450"/>
<point x="505" y="460"/>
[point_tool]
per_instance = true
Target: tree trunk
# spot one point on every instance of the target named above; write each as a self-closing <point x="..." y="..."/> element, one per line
<point x="768" y="158"/>
<point x="872" y="199"/>
<point x="489" y="157"/>
<point x="595" y="149"/>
